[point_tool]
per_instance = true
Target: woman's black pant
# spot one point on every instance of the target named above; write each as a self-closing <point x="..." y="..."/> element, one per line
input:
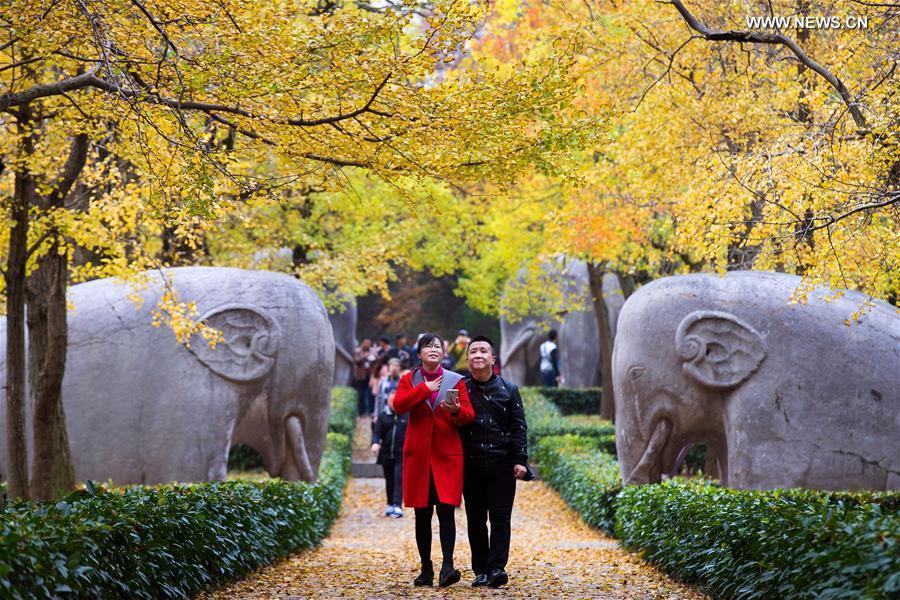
<point x="447" y="528"/>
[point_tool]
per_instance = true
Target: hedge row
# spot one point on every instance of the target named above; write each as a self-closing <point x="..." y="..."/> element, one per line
<point x="574" y="401"/>
<point x="738" y="544"/>
<point x="168" y="541"/>
<point x="545" y="419"/>
<point x="586" y="477"/>
<point x="343" y="411"/>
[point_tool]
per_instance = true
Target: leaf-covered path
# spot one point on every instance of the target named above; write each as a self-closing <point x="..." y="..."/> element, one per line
<point x="553" y="555"/>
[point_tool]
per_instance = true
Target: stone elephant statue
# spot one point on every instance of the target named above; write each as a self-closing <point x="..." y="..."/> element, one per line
<point x="141" y="408"/>
<point x="784" y="395"/>
<point x="579" y="336"/>
<point x="344" y="326"/>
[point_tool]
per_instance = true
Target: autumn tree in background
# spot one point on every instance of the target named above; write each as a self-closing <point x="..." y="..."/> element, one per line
<point x="131" y="128"/>
<point x="728" y="147"/>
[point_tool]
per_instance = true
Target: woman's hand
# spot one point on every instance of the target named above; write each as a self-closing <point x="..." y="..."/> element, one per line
<point x="451" y="403"/>
<point x="375" y="449"/>
<point x="519" y="471"/>
<point x="434" y="385"/>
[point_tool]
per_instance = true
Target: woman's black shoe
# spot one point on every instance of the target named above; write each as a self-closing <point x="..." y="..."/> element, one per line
<point x="449" y="576"/>
<point x="426" y="577"/>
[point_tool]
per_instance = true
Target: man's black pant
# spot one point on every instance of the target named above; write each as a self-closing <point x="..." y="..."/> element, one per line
<point x="393" y="480"/>
<point x="489" y="487"/>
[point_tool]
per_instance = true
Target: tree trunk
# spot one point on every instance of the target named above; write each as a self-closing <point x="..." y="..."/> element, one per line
<point x="52" y="469"/>
<point x="48" y="337"/>
<point x="16" y="442"/>
<point x="607" y="402"/>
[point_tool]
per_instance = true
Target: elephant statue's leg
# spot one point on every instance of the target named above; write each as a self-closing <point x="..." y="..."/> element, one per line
<point x="649" y="467"/>
<point x="296" y="464"/>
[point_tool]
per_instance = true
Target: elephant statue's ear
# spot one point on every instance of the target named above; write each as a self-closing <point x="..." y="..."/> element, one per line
<point x="719" y="350"/>
<point x="251" y="342"/>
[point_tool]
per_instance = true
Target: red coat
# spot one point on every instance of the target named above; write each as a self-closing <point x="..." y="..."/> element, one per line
<point x="432" y="443"/>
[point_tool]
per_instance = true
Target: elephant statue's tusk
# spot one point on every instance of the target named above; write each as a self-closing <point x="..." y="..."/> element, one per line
<point x="297" y="446"/>
<point x="648" y="464"/>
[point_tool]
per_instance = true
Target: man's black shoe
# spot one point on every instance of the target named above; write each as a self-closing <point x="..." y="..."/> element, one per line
<point x="480" y="580"/>
<point x="497" y="578"/>
<point x="449" y="576"/>
<point x="426" y="577"/>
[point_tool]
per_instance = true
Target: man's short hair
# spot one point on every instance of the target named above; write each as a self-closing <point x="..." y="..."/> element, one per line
<point x="551" y="335"/>
<point x="385" y="339"/>
<point x="482" y="338"/>
<point x="399" y="336"/>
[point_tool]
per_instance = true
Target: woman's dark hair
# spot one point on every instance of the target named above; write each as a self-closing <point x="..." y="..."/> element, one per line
<point x="426" y="339"/>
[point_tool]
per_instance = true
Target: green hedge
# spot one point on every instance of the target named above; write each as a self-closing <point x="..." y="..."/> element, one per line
<point x="740" y="544"/>
<point x="737" y="544"/>
<point x="545" y="419"/>
<point x="586" y="477"/>
<point x="574" y="401"/>
<point x="343" y="411"/>
<point x="165" y="542"/>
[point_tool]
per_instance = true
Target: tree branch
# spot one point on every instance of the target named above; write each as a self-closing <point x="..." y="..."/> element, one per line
<point x="89" y="79"/>
<point x="779" y="38"/>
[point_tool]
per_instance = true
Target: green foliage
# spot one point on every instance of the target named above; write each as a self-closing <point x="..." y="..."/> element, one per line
<point x="545" y="419"/>
<point x="343" y="411"/>
<point x="168" y="541"/>
<point x="586" y="477"/>
<point x="781" y="544"/>
<point x="244" y="458"/>
<point x="732" y="543"/>
<point x="574" y="401"/>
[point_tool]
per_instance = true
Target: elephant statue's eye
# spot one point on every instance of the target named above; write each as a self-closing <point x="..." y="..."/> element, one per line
<point x="636" y="371"/>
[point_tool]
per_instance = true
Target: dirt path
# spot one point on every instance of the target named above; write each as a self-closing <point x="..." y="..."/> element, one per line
<point x="553" y="555"/>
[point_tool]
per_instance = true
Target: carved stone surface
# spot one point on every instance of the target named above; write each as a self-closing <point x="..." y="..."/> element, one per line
<point x="140" y="408"/>
<point x="579" y="337"/>
<point x="784" y="395"/>
<point x="344" y="326"/>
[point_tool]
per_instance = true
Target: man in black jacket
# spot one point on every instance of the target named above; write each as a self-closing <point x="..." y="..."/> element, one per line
<point x="495" y="447"/>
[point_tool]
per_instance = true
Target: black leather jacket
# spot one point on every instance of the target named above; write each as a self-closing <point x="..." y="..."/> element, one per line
<point x="499" y="430"/>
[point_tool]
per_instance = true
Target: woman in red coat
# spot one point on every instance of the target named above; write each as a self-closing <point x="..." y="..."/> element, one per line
<point x="432" y="453"/>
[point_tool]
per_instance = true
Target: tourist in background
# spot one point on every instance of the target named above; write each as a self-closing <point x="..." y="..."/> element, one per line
<point x="550" y="376"/>
<point x="362" y="373"/>
<point x="437" y="402"/>
<point x="388" y="435"/>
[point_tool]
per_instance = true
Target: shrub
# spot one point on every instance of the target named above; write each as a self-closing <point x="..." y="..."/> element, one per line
<point x="168" y="541"/>
<point x="586" y="477"/>
<point x="545" y="419"/>
<point x="780" y="544"/>
<point x="574" y="401"/>
<point x="343" y="411"/>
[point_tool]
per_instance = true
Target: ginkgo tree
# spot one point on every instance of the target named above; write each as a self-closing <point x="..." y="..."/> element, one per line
<point x="134" y="126"/>
<point x="729" y="147"/>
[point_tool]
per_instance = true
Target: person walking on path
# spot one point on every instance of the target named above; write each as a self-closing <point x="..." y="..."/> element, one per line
<point x="495" y="447"/>
<point x="437" y="402"/>
<point x="550" y="361"/>
<point x="362" y="373"/>
<point x="388" y="435"/>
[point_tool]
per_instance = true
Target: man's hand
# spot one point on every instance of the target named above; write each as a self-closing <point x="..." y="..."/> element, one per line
<point x="435" y="385"/>
<point x="451" y="404"/>
<point x="519" y="471"/>
<point x="376" y="448"/>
